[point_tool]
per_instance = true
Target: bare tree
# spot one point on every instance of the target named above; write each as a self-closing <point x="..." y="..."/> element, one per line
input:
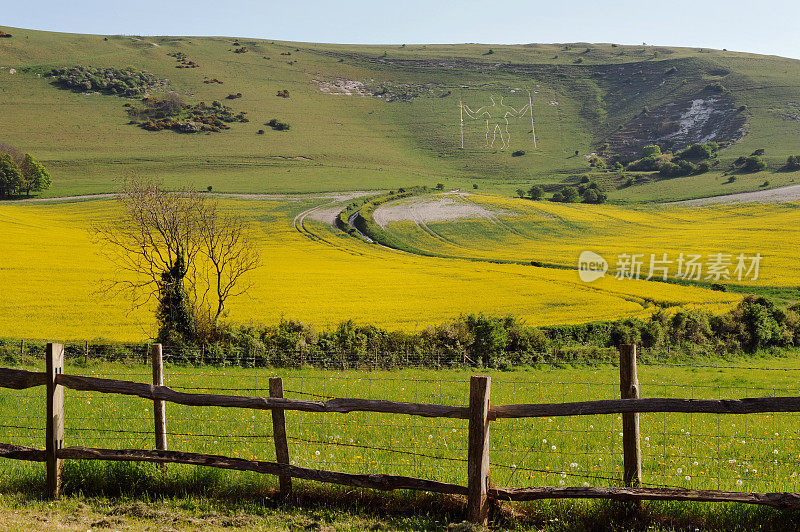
<point x="225" y="244"/>
<point x="177" y="248"/>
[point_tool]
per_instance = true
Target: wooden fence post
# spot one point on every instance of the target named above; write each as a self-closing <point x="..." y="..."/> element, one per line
<point x="629" y="389"/>
<point x="478" y="450"/>
<point x="159" y="411"/>
<point x="55" y="418"/>
<point x="279" y="435"/>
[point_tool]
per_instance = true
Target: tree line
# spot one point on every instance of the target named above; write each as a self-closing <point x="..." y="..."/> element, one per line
<point x="21" y="173"/>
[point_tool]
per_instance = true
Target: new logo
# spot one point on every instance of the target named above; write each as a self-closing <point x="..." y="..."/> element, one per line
<point x="591" y="266"/>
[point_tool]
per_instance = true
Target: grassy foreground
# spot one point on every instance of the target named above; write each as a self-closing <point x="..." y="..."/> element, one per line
<point x="329" y="510"/>
<point x="750" y="453"/>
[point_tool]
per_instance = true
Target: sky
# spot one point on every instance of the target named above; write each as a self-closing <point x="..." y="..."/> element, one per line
<point x="767" y="27"/>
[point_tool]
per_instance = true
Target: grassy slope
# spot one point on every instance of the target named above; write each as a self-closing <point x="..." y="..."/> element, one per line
<point x="356" y="142"/>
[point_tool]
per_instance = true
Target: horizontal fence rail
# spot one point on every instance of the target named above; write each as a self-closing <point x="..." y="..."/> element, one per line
<point x="750" y="405"/>
<point x="340" y="405"/>
<point x="20" y="379"/>
<point x="776" y="500"/>
<point x="479" y="413"/>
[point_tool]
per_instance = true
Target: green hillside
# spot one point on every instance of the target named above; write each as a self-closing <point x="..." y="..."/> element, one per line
<point x="401" y="124"/>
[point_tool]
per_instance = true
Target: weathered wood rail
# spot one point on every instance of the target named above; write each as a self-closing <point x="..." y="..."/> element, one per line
<point x="19" y="379"/>
<point x="342" y="406"/>
<point x="479" y="414"/>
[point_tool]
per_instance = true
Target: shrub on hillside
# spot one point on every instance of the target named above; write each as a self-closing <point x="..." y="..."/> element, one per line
<point x="170" y="112"/>
<point x="754" y="163"/>
<point x="679" y="168"/>
<point x="652" y="150"/>
<point x="793" y="162"/>
<point x="536" y="192"/>
<point x="699" y="151"/>
<point x="121" y="82"/>
<point x="650" y="163"/>
<point x="566" y="195"/>
<point x="277" y="125"/>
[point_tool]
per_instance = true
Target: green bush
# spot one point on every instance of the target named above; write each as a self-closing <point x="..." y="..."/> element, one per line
<point x="652" y="150"/>
<point x="679" y="168"/>
<point x="754" y="163"/>
<point x="566" y="195"/>
<point x="700" y="152"/>
<point x="277" y="125"/>
<point x="645" y="164"/>
<point x="536" y="192"/>
<point x="793" y="162"/>
<point x="121" y="82"/>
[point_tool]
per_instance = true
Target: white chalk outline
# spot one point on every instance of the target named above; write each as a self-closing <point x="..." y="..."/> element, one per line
<point x="483" y="112"/>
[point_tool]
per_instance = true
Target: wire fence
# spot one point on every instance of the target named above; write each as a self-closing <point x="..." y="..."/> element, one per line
<point x="754" y="452"/>
<point x="24" y="351"/>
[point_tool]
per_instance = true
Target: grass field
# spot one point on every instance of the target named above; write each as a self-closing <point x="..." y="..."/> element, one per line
<point x="53" y="271"/>
<point x="581" y="94"/>
<point x="735" y="452"/>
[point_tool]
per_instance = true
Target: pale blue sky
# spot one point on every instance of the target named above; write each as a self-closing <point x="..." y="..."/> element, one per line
<point x="768" y="26"/>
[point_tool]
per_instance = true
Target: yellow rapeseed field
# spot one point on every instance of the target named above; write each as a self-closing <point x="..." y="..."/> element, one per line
<point x="557" y="233"/>
<point x="51" y="270"/>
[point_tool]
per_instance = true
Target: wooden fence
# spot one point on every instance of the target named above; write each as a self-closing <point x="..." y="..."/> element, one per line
<point x="479" y="415"/>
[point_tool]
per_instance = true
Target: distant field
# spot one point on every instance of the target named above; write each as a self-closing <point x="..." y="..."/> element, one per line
<point x="52" y="271"/>
<point x="524" y="230"/>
